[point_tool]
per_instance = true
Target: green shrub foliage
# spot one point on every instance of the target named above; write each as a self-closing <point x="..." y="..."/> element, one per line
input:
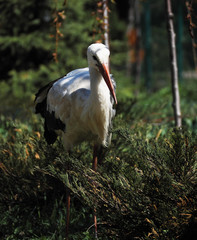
<point x="144" y="188"/>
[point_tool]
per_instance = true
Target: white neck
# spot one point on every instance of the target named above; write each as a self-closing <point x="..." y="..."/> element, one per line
<point x="99" y="106"/>
<point x="99" y="90"/>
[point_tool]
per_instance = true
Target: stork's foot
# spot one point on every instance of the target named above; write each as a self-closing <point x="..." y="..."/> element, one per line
<point x="94" y="167"/>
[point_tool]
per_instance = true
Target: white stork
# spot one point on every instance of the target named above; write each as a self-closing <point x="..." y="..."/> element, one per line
<point x="79" y="106"/>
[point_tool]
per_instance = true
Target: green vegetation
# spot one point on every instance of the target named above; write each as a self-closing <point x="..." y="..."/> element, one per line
<point x="145" y="187"/>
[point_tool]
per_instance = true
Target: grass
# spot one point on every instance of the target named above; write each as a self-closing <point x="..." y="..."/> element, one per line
<point x="145" y="186"/>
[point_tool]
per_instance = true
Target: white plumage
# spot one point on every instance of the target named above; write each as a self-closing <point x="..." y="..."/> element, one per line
<point x="79" y="106"/>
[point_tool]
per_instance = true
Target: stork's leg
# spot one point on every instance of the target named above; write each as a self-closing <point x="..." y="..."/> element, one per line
<point x="95" y="157"/>
<point x="94" y="167"/>
<point x="67" y="211"/>
<point x="67" y="206"/>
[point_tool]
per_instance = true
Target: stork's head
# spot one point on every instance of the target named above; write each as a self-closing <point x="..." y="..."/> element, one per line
<point x="98" y="58"/>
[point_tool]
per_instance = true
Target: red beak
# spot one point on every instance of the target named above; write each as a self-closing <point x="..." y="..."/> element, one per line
<point x="105" y="73"/>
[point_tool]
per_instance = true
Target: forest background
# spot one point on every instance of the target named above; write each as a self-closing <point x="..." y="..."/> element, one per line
<point x="147" y="178"/>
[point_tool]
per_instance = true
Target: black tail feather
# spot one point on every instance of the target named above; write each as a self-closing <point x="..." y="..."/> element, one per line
<point x="49" y="135"/>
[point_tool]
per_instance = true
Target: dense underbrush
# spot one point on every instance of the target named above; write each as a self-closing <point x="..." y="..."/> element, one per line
<point x="145" y="187"/>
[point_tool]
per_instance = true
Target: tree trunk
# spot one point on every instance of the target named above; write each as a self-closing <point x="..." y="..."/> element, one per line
<point x="191" y="26"/>
<point x="130" y="33"/>
<point x="147" y="45"/>
<point x="138" y="47"/>
<point x="134" y="40"/>
<point x="174" y="69"/>
<point x="180" y="18"/>
<point x="106" y="23"/>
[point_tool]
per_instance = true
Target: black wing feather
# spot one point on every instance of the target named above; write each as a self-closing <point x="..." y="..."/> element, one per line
<point x="51" y="123"/>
